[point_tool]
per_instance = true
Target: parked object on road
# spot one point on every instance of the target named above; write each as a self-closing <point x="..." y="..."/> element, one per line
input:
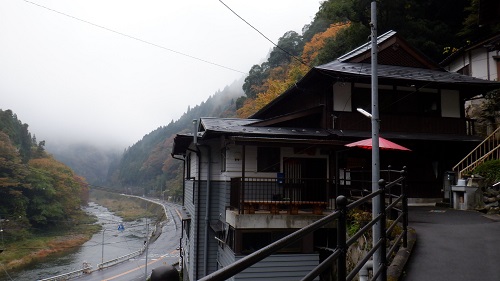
<point x="165" y="273"/>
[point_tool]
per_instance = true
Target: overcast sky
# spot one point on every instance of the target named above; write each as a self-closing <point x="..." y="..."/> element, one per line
<point x="100" y="71"/>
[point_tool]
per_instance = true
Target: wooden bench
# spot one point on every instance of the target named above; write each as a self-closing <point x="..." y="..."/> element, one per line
<point x="293" y="206"/>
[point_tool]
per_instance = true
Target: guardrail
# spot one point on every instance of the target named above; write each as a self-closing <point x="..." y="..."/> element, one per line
<point x="118" y="260"/>
<point x="87" y="268"/>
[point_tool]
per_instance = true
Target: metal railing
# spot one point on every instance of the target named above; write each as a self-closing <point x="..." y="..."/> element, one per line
<point x="488" y="149"/>
<point x="338" y="255"/>
<point x="118" y="260"/>
<point x="280" y="191"/>
<point x="87" y="268"/>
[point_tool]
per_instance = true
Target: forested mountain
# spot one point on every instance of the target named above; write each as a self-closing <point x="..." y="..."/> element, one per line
<point x="436" y="28"/>
<point x="147" y="167"/>
<point x="35" y="189"/>
<point x="89" y="161"/>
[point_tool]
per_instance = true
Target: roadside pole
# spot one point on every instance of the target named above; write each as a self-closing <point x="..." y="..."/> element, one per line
<point x="376" y="207"/>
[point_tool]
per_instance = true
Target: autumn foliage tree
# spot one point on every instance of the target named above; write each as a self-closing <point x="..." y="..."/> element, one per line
<point x="283" y="76"/>
<point x="35" y="189"/>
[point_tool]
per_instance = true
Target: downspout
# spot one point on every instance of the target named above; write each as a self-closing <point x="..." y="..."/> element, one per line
<point x="198" y="210"/>
<point x="183" y="193"/>
<point x="207" y="211"/>
<point x="183" y="175"/>
<point x="197" y="206"/>
<point x="205" y="246"/>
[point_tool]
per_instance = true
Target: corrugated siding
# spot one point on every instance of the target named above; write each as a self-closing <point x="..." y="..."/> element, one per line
<point x="217" y="190"/>
<point x="280" y="267"/>
<point x="193" y="164"/>
<point x="226" y="257"/>
<point x="188" y="244"/>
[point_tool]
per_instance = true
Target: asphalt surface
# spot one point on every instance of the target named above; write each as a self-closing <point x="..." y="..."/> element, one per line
<point x="453" y="245"/>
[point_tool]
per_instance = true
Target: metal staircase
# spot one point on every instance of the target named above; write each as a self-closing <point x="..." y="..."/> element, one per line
<point x="489" y="149"/>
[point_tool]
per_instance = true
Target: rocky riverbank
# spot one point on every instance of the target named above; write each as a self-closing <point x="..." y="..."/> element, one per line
<point x="19" y="255"/>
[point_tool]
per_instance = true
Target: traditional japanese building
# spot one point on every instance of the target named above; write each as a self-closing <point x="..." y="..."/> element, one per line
<point x="249" y="182"/>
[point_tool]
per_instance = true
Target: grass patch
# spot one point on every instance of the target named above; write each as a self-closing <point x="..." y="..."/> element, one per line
<point x="39" y="245"/>
<point x="128" y="208"/>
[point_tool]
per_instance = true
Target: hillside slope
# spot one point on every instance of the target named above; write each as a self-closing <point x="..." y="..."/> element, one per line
<point x="147" y="167"/>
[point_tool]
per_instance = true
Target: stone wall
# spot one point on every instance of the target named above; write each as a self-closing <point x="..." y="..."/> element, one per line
<point x="491" y="199"/>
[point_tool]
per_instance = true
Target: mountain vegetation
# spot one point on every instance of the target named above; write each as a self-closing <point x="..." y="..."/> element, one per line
<point x="37" y="193"/>
<point x="436" y="28"/>
<point x="147" y="167"/>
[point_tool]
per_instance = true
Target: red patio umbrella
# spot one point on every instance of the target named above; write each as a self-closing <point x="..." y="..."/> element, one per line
<point x="383" y="144"/>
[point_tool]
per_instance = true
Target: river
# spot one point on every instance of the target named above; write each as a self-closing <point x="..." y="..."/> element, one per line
<point x="116" y="243"/>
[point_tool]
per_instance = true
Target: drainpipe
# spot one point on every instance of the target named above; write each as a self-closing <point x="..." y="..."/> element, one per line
<point x="197" y="204"/>
<point x="207" y="211"/>
<point x="363" y="272"/>
<point x="183" y="175"/>
<point x="207" y="218"/>
<point x="183" y="194"/>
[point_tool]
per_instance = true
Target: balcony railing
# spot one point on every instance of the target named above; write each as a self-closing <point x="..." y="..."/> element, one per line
<point x="401" y="123"/>
<point x="252" y="195"/>
<point x="277" y="195"/>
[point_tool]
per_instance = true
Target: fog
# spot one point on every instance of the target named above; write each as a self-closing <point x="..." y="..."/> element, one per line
<point x="108" y="72"/>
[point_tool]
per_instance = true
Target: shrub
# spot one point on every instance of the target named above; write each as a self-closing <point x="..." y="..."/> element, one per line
<point x="490" y="170"/>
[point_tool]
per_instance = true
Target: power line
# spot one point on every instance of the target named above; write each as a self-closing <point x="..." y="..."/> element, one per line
<point x="135" y="38"/>
<point x="254" y="28"/>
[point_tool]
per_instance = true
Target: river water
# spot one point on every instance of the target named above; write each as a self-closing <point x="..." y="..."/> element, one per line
<point x="104" y="245"/>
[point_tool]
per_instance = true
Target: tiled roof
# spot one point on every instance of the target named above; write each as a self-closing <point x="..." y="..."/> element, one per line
<point x="400" y="72"/>
<point x="244" y="127"/>
<point x="367" y="46"/>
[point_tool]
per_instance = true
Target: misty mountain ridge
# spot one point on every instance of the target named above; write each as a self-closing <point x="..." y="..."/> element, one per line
<point x="146" y="164"/>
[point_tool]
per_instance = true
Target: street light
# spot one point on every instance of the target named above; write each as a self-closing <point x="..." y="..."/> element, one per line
<point x="364" y="112"/>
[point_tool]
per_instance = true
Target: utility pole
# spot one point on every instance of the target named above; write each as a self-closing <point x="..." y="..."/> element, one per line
<point x="376" y="208"/>
<point x="1" y="232"/>
<point x="102" y="250"/>
<point x="146" y="245"/>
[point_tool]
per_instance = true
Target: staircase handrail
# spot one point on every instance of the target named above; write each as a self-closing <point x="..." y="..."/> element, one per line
<point x="489" y="140"/>
<point x="481" y="159"/>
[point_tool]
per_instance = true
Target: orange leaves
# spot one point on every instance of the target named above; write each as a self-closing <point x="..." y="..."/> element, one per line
<point x="312" y="48"/>
<point x="283" y="77"/>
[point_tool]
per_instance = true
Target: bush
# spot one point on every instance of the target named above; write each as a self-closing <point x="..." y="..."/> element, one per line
<point x="490" y="171"/>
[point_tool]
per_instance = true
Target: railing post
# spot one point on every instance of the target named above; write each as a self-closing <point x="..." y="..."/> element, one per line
<point x="341" y="238"/>
<point x="405" y="207"/>
<point x="382" y="227"/>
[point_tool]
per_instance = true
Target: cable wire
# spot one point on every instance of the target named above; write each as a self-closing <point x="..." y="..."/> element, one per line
<point x="254" y="28"/>
<point x="135" y="38"/>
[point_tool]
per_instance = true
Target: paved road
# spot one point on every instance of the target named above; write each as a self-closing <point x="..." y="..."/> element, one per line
<point x="454" y="245"/>
<point x="162" y="251"/>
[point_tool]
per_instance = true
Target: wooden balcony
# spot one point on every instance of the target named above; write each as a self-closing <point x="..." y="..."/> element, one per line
<point x="407" y="123"/>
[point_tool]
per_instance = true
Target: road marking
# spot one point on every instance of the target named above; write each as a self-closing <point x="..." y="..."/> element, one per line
<point x="137" y="268"/>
